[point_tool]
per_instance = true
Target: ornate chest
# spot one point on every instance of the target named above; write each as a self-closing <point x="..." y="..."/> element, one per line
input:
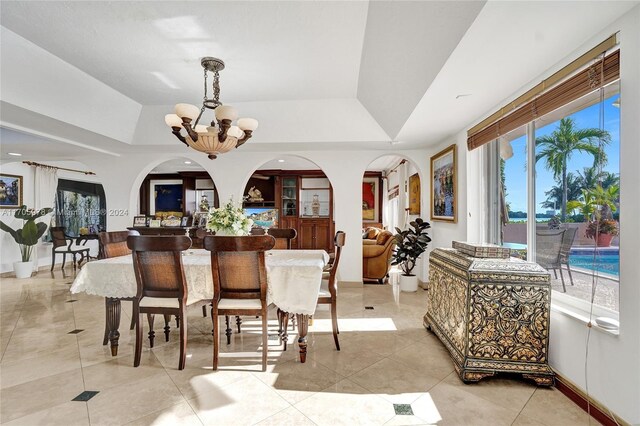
<point x="492" y="314"/>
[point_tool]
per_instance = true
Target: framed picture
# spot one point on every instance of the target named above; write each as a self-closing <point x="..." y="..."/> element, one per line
<point x="10" y="191"/>
<point x="444" y="205"/>
<point x="370" y="201"/>
<point x="199" y="219"/>
<point x="155" y="223"/>
<point x="185" y="221"/>
<point x="414" y="194"/>
<point x="140" y="221"/>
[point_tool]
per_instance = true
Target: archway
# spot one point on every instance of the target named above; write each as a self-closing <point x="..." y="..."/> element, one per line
<point x="292" y="191"/>
<point x="391" y="198"/>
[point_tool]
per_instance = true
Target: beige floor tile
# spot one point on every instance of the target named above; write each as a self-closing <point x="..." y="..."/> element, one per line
<point x="140" y="399"/>
<point x="346" y="403"/>
<point x="523" y="420"/>
<point x="180" y="414"/>
<point x="287" y="417"/>
<point x="68" y="413"/>
<point x="28" y="369"/>
<point x="245" y="402"/>
<point x="394" y="381"/>
<point x="198" y="377"/>
<point x="382" y="342"/>
<point x="445" y="404"/>
<point x="349" y="360"/>
<point x="401" y="420"/>
<point x="295" y="381"/>
<point x="511" y="393"/>
<point x="121" y="371"/>
<point x="41" y="394"/>
<point x="551" y="407"/>
<point x="431" y="359"/>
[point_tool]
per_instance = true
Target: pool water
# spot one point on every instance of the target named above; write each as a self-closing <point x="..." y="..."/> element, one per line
<point x="607" y="263"/>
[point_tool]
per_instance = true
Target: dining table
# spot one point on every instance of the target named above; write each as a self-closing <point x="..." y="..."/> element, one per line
<point x="293" y="284"/>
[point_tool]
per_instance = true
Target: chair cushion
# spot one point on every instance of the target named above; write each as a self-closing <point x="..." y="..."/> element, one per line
<point x="239" y="304"/>
<point x="163" y="302"/>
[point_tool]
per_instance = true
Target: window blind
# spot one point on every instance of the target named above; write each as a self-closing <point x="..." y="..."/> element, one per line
<point x="581" y="84"/>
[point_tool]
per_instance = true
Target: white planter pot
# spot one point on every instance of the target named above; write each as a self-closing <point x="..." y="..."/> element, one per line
<point x="23" y="269"/>
<point x="408" y="283"/>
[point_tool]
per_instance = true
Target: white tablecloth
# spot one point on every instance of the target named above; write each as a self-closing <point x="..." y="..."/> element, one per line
<point x="293" y="277"/>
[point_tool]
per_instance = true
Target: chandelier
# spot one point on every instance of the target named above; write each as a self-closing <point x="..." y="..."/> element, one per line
<point x="220" y="136"/>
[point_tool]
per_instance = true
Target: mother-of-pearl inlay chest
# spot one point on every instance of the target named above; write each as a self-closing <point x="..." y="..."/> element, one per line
<point x="492" y="314"/>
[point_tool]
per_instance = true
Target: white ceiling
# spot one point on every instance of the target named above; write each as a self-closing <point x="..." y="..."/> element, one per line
<point x="357" y="74"/>
<point x="151" y="50"/>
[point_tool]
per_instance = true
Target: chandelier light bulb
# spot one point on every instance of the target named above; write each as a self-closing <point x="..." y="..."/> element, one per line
<point x="172" y="120"/>
<point x="226" y="112"/>
<point x="187" y="111"/>
<point x="248" y="124"/>
<point x="235" y="132"/>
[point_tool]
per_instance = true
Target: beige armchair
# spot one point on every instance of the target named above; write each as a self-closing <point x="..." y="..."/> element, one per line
<point x="376" y="254"/>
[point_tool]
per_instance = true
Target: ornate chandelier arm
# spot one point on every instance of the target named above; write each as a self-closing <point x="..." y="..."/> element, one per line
<point x="225" y="125"/>
<point x="176" y="131"/>
<point x="246" y="137"/>
<point x="186" y="123"/>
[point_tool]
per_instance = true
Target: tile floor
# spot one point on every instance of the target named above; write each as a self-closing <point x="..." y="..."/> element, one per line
<point x="388" y="364"/>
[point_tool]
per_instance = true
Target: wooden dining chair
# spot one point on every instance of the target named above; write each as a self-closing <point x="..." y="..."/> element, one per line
<point x="64" y="244"/>
<point x="283" y="237"/>
<point x="239" y="282"/>
<point x="329" y="287"/>
<point x="162" y="286"/>
<point x="114" y="244"/>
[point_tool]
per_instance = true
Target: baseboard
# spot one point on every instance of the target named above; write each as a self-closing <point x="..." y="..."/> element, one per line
<point x="423" y="284"/>
<point x="579" y="397"/>
<point x="43" y="268"/>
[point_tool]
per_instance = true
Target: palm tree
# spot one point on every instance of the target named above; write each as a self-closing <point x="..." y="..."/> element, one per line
<point x="589" y="178"/>
<point x="558" y="147"/>
<point x="554" y="195"/>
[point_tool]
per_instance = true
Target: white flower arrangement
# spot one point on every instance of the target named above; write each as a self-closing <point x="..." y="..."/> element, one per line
<point x="229" y="220"/>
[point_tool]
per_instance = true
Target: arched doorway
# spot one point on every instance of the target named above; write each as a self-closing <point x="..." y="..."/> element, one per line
<point x="292" y="192"/>
<point x="391" y="198"/>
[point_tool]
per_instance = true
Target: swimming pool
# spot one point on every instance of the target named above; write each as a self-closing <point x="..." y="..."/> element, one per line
<point x="607" y="263"/>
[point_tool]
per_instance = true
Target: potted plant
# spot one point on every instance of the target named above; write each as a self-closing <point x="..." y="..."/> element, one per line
<point x="410" y="244"/>
<point x="602" y="231"/>
<point x="26" y="237"/>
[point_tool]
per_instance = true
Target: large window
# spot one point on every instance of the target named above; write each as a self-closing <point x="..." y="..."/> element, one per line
<point x="80" y="205"/>
<point x="576" y="192"/>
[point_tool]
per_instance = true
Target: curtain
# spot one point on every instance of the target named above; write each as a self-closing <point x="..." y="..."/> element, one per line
<point x="402" y="197"/>
<point x="46" y="186"/>
<point x="385" y="204"/>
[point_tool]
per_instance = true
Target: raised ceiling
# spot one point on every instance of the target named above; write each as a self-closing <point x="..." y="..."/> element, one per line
<point x="318" y="75"/>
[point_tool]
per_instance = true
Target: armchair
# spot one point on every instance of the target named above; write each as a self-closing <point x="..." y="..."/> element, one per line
<point x="376" y="255"/>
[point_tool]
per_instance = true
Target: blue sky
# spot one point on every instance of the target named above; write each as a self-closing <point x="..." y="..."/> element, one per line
<point x="515" y="169"/>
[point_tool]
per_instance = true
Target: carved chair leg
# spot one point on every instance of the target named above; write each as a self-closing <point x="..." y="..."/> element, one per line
<point x="138" y="353"/>
<point x="132" y="326"/>
<point x="167" y="328"/>
<point x="64" y="259"/>
<point x="334" y="324"/>
<point x="238" y="323"/>
<point x="303" y="323"/>
<point x="183" y="342"/>
<point x="285" y="334"/>
<point x="228" y="330"/>
<point x="105" y="339"/>
<point x="53" y="259"/>
<point x="216" y="336"/>
<point x="265" y="340"/>
<point x="204" y="311"/>
<point x="152" y="334"/>
<point x="177" y="321"/>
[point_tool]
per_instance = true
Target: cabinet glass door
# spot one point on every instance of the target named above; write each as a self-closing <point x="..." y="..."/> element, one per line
<point x="289" y="196"/>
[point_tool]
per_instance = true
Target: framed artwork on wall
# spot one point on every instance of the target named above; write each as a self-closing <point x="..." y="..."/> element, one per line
<point x="444" y="205"/>
<point x="370" y="211"/>
<point x="414" y="194"/>
<point x="10" y="191"/>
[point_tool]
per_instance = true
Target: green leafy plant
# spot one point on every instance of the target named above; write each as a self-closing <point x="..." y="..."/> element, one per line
<point x="604" y="226"/>
<point x="229" y="218"/>
<point x="30" y="233"/>
<point x="410" y="244"/>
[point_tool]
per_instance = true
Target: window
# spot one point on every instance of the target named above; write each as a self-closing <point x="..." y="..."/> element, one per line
<point x="80" y="205"/>
<point x="575" y="190"/>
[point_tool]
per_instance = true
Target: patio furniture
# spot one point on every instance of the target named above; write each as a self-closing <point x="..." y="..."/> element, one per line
<point x="548" y="248"/>
<point x="567" y="242"/>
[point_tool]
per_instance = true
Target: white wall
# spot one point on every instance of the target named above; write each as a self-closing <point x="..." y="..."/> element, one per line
<point x="614" y="370"/>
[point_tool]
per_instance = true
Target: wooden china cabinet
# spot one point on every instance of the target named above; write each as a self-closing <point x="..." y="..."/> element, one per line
<point x="304" y="200"/>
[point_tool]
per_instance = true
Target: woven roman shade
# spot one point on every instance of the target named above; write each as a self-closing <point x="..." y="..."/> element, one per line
<point x="575" y="87"/>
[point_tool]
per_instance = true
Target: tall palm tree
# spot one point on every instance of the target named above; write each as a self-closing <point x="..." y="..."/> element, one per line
<point x="554" y="194"/>
<point x="558" y="147"/>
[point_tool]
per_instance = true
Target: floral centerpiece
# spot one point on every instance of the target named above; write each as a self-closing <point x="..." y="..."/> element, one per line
<point x="229" y="220"/>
